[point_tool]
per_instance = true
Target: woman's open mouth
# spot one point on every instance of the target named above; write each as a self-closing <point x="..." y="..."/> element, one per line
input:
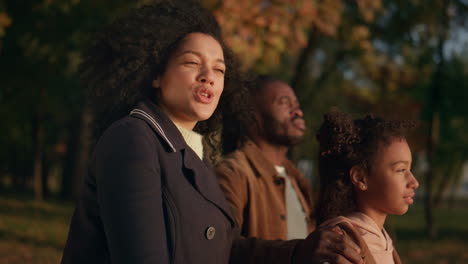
<point x="203" y="95"/>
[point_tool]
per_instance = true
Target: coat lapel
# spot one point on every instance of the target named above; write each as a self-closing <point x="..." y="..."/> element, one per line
<point x="201" y="175"/>
<point x="197" y="172"/>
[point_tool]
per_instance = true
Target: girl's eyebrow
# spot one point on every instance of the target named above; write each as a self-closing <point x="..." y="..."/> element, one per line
<point x="198" y="54"/>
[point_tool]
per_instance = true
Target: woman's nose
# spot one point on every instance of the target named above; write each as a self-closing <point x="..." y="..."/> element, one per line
<point x="206" y="76"/>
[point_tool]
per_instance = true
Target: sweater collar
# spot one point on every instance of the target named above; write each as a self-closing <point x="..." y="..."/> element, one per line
<point x="192" y="139"/>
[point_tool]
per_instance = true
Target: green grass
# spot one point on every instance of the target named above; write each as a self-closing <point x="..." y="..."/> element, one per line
<point x="35" y="233"/>
<point x="32" y="232"/>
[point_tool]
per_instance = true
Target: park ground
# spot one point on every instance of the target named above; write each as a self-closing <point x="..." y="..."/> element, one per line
<point x="35" y="232"/>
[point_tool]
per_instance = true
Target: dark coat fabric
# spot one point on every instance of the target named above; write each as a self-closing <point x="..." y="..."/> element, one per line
<point x="148" y="198"/>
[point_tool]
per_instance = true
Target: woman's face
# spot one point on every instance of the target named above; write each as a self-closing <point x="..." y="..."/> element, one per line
<point x="193" y="80"/>
<point x="390" y="183"/>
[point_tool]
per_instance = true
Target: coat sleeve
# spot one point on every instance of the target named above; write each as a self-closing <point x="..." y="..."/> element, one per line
<point x="128" y="180"/>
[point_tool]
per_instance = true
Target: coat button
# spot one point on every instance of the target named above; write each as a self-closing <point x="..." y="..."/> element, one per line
<point x="210" y="233"/>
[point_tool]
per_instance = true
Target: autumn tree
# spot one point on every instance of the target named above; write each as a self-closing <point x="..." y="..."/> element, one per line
<point x="43" y="107"/>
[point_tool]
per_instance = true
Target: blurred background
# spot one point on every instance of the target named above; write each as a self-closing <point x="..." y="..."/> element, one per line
<point x="403" y="58"/>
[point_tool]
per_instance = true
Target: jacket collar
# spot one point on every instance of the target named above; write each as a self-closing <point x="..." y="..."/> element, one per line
<point x="258" y="160"/>
<point x="264" y="166"/>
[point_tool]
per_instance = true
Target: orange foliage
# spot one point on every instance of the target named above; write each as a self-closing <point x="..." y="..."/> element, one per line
<point x="368" y="9"/>
<point x="5" y="21"/>
<point x="260" y="31"/>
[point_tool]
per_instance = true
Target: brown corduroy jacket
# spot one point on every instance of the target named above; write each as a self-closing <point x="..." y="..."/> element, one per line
<point x="255" y="192"/>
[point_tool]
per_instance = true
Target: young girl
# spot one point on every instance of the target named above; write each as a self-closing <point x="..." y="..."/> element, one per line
<point x="365" y="174"/>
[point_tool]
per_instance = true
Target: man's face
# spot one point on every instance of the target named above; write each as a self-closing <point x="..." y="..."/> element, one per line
<point x="279" y="114"/>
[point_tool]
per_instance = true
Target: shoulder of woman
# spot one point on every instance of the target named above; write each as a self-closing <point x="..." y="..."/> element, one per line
<point x="127" y="136"/>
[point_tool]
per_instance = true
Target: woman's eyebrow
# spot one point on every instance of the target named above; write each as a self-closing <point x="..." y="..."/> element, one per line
<point x="198" y="54"/>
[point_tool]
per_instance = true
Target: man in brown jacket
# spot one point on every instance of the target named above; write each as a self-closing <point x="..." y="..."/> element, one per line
<point x="268" y="196"/>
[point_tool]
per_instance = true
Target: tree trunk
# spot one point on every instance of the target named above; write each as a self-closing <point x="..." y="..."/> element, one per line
<point x="83" y="150"/>
<point x="66" y="189"/>
<point x="39" y="145"/>
<point x="301" y="69"/>
<point x="434" y="121"/>
<point x="428" y="201"/>
<point x="45" y="178"/>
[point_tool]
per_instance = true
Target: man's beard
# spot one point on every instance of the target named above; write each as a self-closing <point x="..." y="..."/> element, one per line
<point x="276" y="132"/>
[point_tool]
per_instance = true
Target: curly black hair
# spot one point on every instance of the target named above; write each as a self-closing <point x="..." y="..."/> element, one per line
<point x="344" y="143"/>
<point x="235" y="127"/>
<point x="118" y="69"/>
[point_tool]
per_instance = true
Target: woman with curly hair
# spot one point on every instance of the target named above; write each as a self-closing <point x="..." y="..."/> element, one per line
<point x="365" y="174"/>
<point x="160" y="78"/>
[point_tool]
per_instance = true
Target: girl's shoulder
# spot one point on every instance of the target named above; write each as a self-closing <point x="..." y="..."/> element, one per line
<point x="335" y="221"/>
<point x="350" y="229"/>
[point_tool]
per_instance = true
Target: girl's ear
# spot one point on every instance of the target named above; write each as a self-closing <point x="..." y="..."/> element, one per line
<point x="358" y="177"/>
<point x="155" y="83"/>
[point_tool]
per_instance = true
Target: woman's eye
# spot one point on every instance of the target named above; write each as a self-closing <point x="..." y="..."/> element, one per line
<point x="191" y="62"/>
<point x="220" y="70"/>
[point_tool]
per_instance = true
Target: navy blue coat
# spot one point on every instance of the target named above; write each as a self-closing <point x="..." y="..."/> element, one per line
<point x="148" y="198"/>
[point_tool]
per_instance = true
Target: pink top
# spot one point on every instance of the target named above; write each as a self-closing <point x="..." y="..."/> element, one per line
<point x="378" y="241"/>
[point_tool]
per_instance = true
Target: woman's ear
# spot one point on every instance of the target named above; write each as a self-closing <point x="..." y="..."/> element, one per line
<point x="358" y="177"/>
<point x="155" y="83"/>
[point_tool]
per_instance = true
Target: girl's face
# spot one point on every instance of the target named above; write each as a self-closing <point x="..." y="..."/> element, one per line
<point x="193" y="80"/>
<point x="390" y="183"/>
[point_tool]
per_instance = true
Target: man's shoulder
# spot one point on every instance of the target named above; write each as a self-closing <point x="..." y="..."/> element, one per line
<point x="236" y="160"/>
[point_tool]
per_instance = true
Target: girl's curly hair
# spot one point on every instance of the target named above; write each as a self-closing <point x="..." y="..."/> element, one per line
<point x="344" y="143"/>
<point x="118" y="69"/>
